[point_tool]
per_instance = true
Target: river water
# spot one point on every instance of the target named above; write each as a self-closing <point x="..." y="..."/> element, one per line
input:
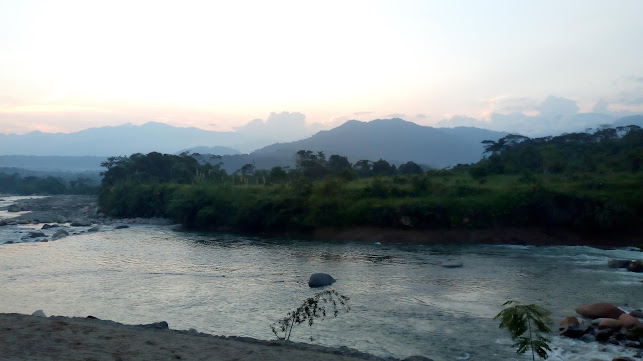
<point x="403" y="302"/>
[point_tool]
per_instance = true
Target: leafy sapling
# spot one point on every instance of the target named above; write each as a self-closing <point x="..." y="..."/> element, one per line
<point x="525" y="323"/>
<point x="311" y="309"/>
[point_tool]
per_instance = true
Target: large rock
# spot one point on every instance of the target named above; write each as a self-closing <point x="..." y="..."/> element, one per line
<point x="320" y="280"/>
<point x="618" y="263"/>
<point x="599" y="310"/>
<point x="636" y="266"/>
<point x="36" y="234"/>
<point x="629" y="321"/>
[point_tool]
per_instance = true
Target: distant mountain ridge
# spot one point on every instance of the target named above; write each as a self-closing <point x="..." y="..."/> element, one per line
<point x="115" y="140"/>
<point x="394" y="140"/>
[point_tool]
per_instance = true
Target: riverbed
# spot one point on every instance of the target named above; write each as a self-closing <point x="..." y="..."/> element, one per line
<point x="403" y="302"/>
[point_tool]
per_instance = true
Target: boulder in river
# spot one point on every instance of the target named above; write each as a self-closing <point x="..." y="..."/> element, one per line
<point x="320" y="280"/>
<point x="121" y="226"/>
<point x="93" y="229"/>
<point x="618" y="263"/>
<point x="599" y="310"/>
<point x="36" y="234"/>
<point x="610" y="323"/>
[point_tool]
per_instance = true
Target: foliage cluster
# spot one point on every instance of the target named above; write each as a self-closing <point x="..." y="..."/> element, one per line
<point x="604" y="150"/>
<point x="17" y="184"/>
<point x="525" y="324"/>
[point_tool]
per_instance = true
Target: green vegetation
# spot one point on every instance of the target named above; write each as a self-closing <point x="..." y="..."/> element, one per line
<point x="587" y="182"/>
<point x="525" y="323"/>
<point x="311" y="309"/>
<point x="16" y="184"/>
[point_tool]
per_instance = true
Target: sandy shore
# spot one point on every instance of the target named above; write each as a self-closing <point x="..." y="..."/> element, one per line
<point x="24" y="337"/>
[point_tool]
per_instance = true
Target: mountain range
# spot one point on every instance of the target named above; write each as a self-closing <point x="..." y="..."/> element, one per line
<point x="394" y="140"/>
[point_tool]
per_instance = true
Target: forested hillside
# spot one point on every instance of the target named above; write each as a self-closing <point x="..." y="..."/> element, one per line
<point x="586" y="182"/>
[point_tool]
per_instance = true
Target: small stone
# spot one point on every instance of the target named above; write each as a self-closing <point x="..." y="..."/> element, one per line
<point x="93" y="229"/>
<point x="80" y="223"/>
<point x="59" y="234"/>
<point x="604" y="335"/>
<point x="39" y="313"/>
<point x="451" y="264"/>
<point x="636" y="266"/>
<point x="637" y="313"/>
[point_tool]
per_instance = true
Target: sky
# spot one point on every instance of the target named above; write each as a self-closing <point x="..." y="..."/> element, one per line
<point x="300" y="66"/>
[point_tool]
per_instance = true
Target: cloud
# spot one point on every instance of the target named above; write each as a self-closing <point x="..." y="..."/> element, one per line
<point x="557" y="107"/>
<point x="552" y="116"/>
<point x="284" y="126"/>
<point x="637" y="79"/>
<point x="395" y="115"/>
<point x="601" y="106"/>
<point x="359" y="114"/>
<point x="509" y="105"/>
<point x="462" y="121"/>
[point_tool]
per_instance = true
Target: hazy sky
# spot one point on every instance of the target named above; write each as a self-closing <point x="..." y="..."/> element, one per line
<point x="67" y="65"/>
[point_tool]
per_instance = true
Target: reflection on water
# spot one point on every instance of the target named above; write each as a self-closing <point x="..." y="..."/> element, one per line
<point x="403" y="302"/>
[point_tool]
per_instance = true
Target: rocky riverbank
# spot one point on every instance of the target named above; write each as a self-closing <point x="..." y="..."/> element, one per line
<point x="43" y="219"/>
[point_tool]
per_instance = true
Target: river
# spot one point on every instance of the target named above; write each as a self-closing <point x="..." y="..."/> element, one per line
<point x="402" y="301"/>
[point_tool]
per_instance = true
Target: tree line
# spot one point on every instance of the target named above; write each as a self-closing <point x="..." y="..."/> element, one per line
<point x="17" y="184"/>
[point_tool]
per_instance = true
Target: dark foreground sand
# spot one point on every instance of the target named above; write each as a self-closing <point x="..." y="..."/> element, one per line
<point x="24" y="337"/>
